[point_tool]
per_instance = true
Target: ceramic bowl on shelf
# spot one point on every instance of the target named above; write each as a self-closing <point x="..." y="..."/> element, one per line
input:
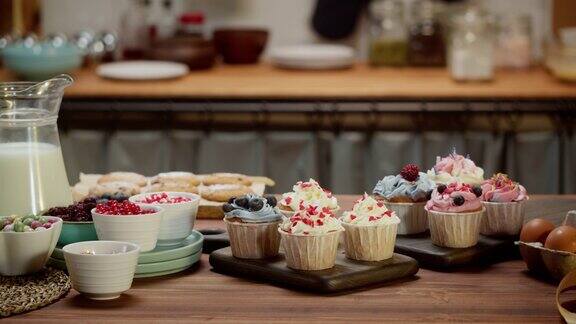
<point x="41" y="61"/>
<point x="240" y="45"/>
<point x="27" y="252"/>
<point x="73" y="232"/>
<point x="178" y="218"/>
<point x="141" y="229"/>
<point x="101" y="270"/>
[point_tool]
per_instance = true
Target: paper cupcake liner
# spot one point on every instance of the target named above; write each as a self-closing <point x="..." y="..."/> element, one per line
<point x="455" y="230"/>
<point x="369" y="243"/>
<point x="307" y="252"/>
<point x="412" y="216"/>
<point x="503" y="219"/>
<point x="253" y="241"/>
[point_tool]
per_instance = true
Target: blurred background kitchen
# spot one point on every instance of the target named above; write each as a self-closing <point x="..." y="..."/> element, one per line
<point x="345" y="91"/>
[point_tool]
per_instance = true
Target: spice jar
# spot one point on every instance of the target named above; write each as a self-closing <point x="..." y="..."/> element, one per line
<point x="426" y="45"/>
<point x="388" y="34"/>
<point x="514" y="42"/>
<point x="471" y="54"/>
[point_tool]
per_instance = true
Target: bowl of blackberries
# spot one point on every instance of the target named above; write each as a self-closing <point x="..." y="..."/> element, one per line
<point x="78" y="225"/>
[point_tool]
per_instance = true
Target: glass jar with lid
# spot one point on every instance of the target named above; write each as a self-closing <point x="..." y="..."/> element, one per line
<point x="514" y="42"/>
<point x="471" y="45"/>
<point x="388" y="34"/>
<point x="426" y="46"/>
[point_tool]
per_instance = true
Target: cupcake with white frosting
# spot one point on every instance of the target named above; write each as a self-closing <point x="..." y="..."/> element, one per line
<point x="370" y="230"/>
<point x="310" y="238"/>
<point x="456" y="168"/>
<point x="252" y="223"/>
<point x="304" y="194"/>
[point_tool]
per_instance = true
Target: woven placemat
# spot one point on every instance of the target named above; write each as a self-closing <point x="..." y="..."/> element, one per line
<point x="25" y="293"/>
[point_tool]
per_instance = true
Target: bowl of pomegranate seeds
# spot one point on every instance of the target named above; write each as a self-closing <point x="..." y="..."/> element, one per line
<point x="26" y="243"/>
<point x="180" y="209"/>
<point x="129" y="222"/>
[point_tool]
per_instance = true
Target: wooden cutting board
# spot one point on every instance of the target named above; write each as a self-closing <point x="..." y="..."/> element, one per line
<point x="346" y="275"/>
<point x="488" y="250"/>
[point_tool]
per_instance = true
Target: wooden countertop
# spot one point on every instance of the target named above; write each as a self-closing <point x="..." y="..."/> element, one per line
<point x="359" y="83"/>
<point x="503" y="292"/>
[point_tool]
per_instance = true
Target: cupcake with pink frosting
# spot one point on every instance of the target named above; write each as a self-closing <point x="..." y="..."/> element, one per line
<point x="456" y="168"/>
<point x="504" y="202"/>
<point x="455" y="214"/>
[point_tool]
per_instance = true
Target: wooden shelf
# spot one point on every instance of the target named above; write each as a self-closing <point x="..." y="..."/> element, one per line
<point x="261" y="82"/>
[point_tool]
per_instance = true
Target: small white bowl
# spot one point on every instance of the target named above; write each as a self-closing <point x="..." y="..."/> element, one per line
<point x="178" y="219"/>
<point x="103" y="275"/>
<point x="138" y="229"/>
<point x="27" y="252"/>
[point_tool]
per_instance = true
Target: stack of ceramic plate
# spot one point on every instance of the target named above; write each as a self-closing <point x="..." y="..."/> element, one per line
<point x="161" y="261"/>
<point x="313" y="57"/>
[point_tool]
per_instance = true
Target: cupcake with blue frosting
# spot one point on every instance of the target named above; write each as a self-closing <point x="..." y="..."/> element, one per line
<point x="406" y="194"/>
<point x="252" y="224"/>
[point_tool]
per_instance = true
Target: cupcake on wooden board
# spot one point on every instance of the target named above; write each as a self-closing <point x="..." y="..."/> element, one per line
<point x="406" y="194"/>
<point x="504" y="202"/>
<point x="455" y="213"/>
<point x="252" y="223"/>
<point x="310" y="238"/>
<point x="370" y="230"/>
<point x="456" y="168"/>
<point x="306" y="194"/>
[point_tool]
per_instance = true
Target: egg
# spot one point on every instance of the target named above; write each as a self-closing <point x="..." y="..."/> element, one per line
<point x="562" y="238"/>
<point x="536" y="230"/>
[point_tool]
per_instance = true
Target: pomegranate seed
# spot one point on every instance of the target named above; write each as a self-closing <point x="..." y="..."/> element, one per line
<point x="163" y="199"/>
<point x="113" y="207"/>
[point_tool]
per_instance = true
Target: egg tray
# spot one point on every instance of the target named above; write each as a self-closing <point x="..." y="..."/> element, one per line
<point x="546" y="262"/>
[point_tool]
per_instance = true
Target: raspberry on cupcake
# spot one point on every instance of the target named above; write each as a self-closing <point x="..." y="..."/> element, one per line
<point x="504" y="202"/>
<point x="455" y="213"/>
<point x="406" y="194"/>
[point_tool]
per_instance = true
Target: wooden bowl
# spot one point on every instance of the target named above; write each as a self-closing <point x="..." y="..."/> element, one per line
<point x="197" y="53"/>
<point x="240" y="46"/>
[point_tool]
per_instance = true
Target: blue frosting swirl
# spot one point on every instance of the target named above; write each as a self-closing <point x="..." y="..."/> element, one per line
<point x="267" y="214"/>
<point x="396" y="186"/>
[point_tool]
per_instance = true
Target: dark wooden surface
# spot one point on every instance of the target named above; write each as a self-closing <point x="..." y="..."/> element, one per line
<point x="502" y="292"/>
<point x="345" y="276"/>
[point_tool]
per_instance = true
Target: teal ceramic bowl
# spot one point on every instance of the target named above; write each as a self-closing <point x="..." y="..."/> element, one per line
<point x="41" y="61"/>
<point x="73" y="232"/>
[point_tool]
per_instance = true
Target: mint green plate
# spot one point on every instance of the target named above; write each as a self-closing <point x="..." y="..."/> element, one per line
<point x="189" y="246"/>
<point x="149" y="269"/>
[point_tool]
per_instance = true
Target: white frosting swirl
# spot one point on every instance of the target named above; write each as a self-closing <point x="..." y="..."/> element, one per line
<point x="308" y="193"/>
<point x="312" y="221"/>
<point x="367" y="211"/>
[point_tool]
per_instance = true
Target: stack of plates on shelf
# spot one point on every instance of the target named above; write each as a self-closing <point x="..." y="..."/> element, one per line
<point x="161" y="261"/>
<point x="313" y="57"/>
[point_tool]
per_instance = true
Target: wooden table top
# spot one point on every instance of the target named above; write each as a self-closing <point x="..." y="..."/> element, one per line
<point x="502" y="292"/>
<point x="359" y="83"/>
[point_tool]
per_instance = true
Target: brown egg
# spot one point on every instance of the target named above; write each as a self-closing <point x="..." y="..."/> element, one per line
<point x="562" y="238"/>
<point x="536" y="230"/>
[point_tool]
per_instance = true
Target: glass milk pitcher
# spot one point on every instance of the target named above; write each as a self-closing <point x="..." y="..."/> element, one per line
<point x="32" y="173"/>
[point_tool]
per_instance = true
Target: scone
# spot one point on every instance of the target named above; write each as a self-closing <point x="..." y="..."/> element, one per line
<point x="115" y="187"/>
<point x="226" y="178"/>
<point x="175" y="182"/>
<point x="131" y="177"/>
<point x="223" y="192"/>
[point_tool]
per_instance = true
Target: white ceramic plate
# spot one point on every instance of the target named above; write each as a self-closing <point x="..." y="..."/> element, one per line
<point x="142" y="70"/>
<point x="313" y="57"/>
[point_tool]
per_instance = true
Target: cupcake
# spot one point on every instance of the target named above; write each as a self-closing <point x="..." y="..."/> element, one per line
<point x="370" y="230"/>
<point x="305" y="194"/>
<point x="252" y="224"/>
<point x="454" y="215"/>
<point x="310" y="238"/>
<point x="504" y="202"/>
<point x="406" y="194"/>
<point x="456" y="168"/>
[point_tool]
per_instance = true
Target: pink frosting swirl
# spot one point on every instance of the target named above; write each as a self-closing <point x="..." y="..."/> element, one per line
<point x="456" y="197"/>
<point x="502" y="189"/>
<point x="456" y="167"/>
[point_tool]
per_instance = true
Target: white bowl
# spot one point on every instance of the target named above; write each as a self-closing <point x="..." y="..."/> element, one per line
<point x="138" y="229"/>
<point x="103" y="275"/>
<point x="177" y="220"/>
<point x="27" y="252"/>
